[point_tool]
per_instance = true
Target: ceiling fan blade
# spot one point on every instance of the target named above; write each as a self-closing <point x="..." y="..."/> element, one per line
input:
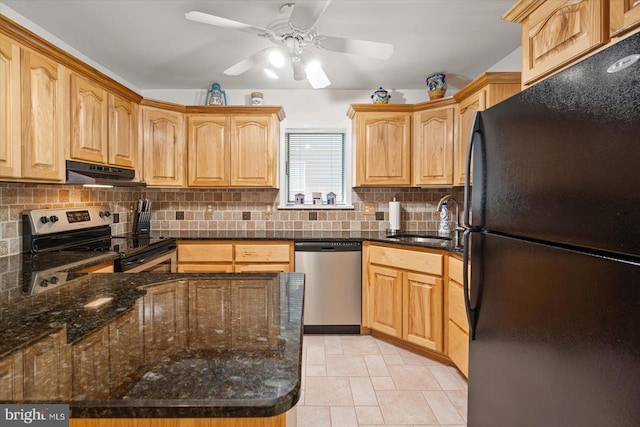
<point x="306" y="13"/>
<point x="316" y="75"/>
<point x="217" y="21"/>
<point x="244" y="65"/>
<point x="366" y="48"/>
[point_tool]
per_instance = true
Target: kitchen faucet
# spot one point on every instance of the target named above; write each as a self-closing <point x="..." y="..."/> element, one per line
<point x="458" y="229"/>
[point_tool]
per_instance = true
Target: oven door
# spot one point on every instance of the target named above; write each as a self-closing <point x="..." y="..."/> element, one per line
<point x="165" y="262"/>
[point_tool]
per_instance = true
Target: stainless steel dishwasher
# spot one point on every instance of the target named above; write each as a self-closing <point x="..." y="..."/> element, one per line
<point x="333" y="285"/>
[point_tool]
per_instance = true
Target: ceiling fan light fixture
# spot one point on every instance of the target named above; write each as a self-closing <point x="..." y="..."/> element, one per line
<point x="276" y="58"/>
<point x="271" y="74"/>
<point x="316" y="75"/>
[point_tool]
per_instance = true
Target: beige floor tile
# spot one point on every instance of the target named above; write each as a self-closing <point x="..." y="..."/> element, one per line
<point x="411" y="358"/>
<point x="405" y="407"/>
<point x="333" y="349"/>
<point x="369" y="415"/>
<point x="459" y="400"/>
<point x="313" y="340"/>
<point x="442" y="407"/>
<point x="301" y="399"/>
<point x="376" y="366"/>
<point x="343" y="416"/>
<point x="447" y="379"/>
<point x="332" y="340"/>
<point x="315" y="355"/>
<point x="386" y="348"/>
<point x="413" y="377"/>
<point x="316" y="371"/>
<point x="346" y="365"/>
<point x="393" y="359"/>
<point x="328" y="391"/>
<point x="351" y="345"/>
<point x="362" y="391"/>
<point x="456" y="373"/>
<point x="383" y="383"/>
<point x="314" y="416"/>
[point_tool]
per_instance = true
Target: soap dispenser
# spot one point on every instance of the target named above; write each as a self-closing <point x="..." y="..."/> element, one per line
<point x="443" y="227"/>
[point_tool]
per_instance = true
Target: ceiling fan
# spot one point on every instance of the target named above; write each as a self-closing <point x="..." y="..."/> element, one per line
<point x="295" y="35"/>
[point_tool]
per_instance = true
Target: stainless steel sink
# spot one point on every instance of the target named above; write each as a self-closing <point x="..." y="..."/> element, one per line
<point x="420" y="238"/>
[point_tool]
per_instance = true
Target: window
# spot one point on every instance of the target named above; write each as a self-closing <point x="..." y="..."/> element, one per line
<point x="315" y="166"/>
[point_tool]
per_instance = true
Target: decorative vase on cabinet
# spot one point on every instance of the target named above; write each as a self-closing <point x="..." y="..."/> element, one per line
<point x="436" y="86"/>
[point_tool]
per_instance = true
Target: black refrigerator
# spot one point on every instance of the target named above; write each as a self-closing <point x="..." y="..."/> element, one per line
<point x="553" y="241"/>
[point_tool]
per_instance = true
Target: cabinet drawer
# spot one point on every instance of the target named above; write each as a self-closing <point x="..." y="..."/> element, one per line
<point x="205" y="252"/>
<point x="262" y="268"/>
<point x="407" y="259"/>
<point x="455" y="269"/>
<point x="459" y="348"/>
<point x="457" y="312"/>
<point x="205" y="268"/>
<point x="255" y="252"/>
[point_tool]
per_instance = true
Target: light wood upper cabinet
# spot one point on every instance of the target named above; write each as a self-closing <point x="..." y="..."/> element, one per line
<point x="557" y="33"/>
<point x="89" y="115"/>
<point x="10" y="141"/>
<point x="485" y="91"/>
<point x="624" y="15"/>
<point x="209" y="150"/>
<point x="122" y="139"/>
<point x="382" y="144"/>
<point x="45" y="115"/>
<point x="433" y="132"/>
<point x="164" y="145"/>
<point x="253" y="151"/>
<point x="11" y="377"/>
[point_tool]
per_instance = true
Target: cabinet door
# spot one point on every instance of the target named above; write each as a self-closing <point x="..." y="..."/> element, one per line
<point x="209" y="151"/>
<point x="44" y="118"/>
<point x="125" y="347"/>
<point x="433" y="138"/>
<point x="163" y="139"/>
<point x="91" y="366"/>
<point x="88" y="120"/>
<point x="47" y="369"/>
<point x="559" y="32"/>
<point x="122" y="132"/>
<point x="624" y="15"/>
<point x="383" y="147"/>
<point x="11" y="377"/>
<point x="10" y="149"/>
<point x="385" y="300"/>
<point x="253" y="151"/>
<point x="468" y="107"/>
<point x="164" y="326"/>
<point x="209" y="314"/>
<point x="422" y="310"/>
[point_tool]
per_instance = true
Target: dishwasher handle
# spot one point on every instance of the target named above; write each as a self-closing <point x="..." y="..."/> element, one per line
<point x="324" y="246"/>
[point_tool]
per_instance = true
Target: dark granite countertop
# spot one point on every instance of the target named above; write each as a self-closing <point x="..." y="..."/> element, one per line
<point x="236" y="350"/>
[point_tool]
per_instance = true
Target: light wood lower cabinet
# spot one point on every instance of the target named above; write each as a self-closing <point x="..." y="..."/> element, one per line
<point x="403" y="294"/>
<point x="235" y="256"/>
<point x="47" y="369"/>
<point x="12" y="377"/>
<point x="458" y="326"/>
<point x="164" y="320"/>
<point x="91" y="366"/>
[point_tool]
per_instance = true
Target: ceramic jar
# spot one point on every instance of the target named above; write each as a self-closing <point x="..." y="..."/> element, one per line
<point x="436" y="86"/>
<point x="256" y="98"/>
<point x="216" y="96"/>
<point x="380" y="96"/>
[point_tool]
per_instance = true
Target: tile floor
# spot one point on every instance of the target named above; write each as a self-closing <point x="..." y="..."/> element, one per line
<point x="359" y="380"/>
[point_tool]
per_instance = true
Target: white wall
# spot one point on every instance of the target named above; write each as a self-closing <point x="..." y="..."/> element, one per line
<point x="511" y="62"/>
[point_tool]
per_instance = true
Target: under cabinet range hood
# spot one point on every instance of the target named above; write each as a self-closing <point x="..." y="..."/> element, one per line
<point x="89" y="174"/>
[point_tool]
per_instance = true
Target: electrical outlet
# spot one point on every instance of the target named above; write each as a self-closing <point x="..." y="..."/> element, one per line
<point x="116" y="218"/>
<point x="246" y="216"/>
<point x="369" y="208"/>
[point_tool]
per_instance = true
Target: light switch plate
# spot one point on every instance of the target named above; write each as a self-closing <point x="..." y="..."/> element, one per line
<point x="369" y="208"/>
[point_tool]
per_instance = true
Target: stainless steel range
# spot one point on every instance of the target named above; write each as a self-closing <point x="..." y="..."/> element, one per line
<point x="58" y="241"/>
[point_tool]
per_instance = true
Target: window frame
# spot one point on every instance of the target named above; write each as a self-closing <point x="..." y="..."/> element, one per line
<point x="283" y="203"/>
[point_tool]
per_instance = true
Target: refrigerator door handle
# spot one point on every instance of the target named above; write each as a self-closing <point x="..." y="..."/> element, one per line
<point x="465" y="283"/>
<point x="476" y="130"/>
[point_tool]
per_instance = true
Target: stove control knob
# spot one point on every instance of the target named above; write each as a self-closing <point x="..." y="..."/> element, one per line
<point x="44" y="219"/>
<point x="53" y="218"/>
<point x="53" y="280"/>
<point x="105" y="214"/>
<point x="44" y="283"/>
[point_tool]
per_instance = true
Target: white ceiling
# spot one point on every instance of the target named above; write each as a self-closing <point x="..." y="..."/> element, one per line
<point x="151" y="45"/>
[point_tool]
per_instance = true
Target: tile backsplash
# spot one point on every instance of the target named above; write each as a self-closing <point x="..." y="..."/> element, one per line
<point x="219" y="209"/>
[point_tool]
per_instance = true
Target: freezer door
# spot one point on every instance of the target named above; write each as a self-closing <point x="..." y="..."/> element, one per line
<point x="559" y="161"/>
<point x="557" y="338"/>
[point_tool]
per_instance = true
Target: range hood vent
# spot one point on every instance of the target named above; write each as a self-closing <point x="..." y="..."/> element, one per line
<point x="92" y="174"/>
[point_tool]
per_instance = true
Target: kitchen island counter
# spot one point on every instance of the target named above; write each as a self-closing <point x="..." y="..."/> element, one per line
<point x="203" y="345"/>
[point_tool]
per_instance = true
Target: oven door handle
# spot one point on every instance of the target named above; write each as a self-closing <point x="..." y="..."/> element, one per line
<point x="138" y="261"/>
